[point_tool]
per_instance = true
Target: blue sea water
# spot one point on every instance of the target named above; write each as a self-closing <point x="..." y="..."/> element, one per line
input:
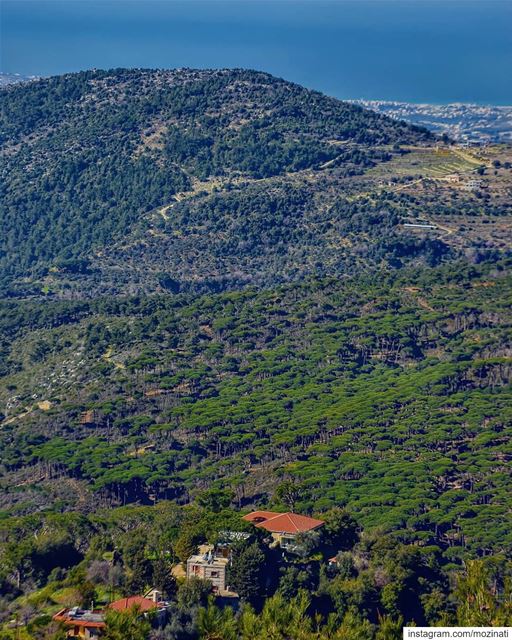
<point x="410" y="50"/>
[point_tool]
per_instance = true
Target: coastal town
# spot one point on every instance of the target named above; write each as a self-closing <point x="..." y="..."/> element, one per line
<point x="467" y="124"/>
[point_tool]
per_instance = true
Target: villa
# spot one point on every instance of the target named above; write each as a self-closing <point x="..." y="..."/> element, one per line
<point x="79" y="623"/>
<point x="284" y="527"/>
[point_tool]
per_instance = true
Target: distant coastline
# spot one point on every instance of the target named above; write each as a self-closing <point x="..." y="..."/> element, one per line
<point x="466" y="123"/>
<point x="15" y="78"/>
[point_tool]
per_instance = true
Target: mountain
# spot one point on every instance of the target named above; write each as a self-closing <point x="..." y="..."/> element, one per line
<point x="320" y="221"/>
<point x="222" y="292"/>
<point x="136" y="180"/>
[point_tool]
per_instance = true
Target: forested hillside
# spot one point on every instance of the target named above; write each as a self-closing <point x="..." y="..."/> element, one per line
<point x="90" y="159"/>
<point x="220" y="292"/>
<point x="390" y="395"/>
<point x="380" y="404"/>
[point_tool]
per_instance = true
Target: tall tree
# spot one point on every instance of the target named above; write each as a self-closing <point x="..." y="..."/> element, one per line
<point x="246" y="574"/>
<point x="163" y="580"/>
<point x="126" y="625"/>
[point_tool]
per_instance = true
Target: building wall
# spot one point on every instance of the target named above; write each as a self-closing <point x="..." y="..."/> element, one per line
<point x="214" y="572"/>
<point x="83" y="633"/>
<point x="284" y="539"/>
<point x="217" y="576"/>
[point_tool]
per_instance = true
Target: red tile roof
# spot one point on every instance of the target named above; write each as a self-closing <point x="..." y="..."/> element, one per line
<point x="283" y="522"/>
<point x="125" y="604"/>
<point x="87" y="619"/>
<point x="258" y="516"/>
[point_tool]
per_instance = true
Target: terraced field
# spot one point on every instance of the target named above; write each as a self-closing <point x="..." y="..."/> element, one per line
<point x="431" y="162"/>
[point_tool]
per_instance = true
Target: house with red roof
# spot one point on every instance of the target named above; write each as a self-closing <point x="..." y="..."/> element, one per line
<point x="83" y="624"/>
<point x="284" y="527"/>
<point x="141" y="604"/>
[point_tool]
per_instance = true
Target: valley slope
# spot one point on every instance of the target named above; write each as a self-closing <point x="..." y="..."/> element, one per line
<point x="390" y="395"/>
<point x="219" y="280"/>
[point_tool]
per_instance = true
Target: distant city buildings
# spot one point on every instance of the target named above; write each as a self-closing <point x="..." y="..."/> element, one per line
<point x="468" y="124"/>
<point x="14" y="78"/>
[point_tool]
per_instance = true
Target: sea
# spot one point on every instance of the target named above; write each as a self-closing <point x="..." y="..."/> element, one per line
<point x="433" y="51"/>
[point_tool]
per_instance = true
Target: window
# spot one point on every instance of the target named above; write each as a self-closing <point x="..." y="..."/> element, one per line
<point x="287" y="542"/>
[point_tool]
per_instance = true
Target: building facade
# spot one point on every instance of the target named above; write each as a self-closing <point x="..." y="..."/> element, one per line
<point x="207" y="565"/>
